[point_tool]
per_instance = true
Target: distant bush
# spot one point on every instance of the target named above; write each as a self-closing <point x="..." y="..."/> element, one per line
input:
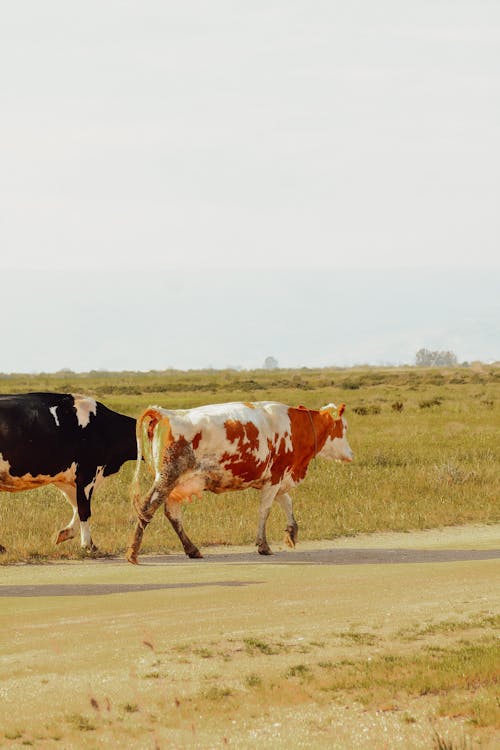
<point x="351" y="385"/>
<point x="364" y="411"/>
<point x="428" y="403"/>
<point x="397" y="406"/>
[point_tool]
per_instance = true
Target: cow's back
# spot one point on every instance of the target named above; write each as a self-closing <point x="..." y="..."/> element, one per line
<point x="37" y="432"/>
<point x="218" y="419"/>
<point x="46" y="433"/>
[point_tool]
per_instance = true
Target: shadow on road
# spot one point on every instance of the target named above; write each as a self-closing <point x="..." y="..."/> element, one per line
<point x="352" y="556"/>
<point x="96" y="589"/>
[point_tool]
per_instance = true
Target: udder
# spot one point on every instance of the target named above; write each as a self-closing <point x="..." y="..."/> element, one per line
<point x="187" y="488"/>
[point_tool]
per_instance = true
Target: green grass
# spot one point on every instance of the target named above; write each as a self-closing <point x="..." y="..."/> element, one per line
<point x="464" y="677"/>
<point x="430" y="462"/>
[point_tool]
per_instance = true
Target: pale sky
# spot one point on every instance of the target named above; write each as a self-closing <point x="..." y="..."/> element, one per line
<point x="236" y="153"/>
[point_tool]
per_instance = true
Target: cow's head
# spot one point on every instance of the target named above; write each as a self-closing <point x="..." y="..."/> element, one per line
<point x="336" y="446"/>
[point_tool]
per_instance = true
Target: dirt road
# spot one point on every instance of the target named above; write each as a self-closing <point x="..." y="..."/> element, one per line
<point x="100" y="653"/>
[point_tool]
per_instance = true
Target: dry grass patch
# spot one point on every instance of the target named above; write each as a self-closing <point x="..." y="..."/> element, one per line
<point x="456" y="675"/>
<point x="484" y="622"/>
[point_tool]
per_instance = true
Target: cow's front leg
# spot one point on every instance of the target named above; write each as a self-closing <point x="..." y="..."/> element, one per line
<point x="284" y="499"/>
<point x="83" y="498"/>
<point x="81" y="512"/>
<point x="266" y="500"/>
<point x="145" y="513"/>
<point x="173" y="511"/>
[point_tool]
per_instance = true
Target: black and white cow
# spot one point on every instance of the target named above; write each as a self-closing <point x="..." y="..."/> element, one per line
<point x="67" y="440"/>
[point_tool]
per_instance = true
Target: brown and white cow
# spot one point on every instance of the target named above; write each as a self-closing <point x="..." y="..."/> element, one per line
<point x="225" y="447"/>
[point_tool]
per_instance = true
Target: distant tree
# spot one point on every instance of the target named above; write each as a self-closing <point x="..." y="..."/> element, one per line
<point x="428" y="358"/>
<point x="271" y="363"/>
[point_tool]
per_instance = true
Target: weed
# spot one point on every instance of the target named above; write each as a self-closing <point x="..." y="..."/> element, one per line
<point x="81" y="722"/>
<point x="299" y="670"/>
<point x="216" y="693"/>
<point x="254" y="644"/>
<point x="452" y="474"/>
<point x="351" y="384"/>
<point x="441" y="743"/>
<point x="366" y="410"/>
<point x="130" y="708"/>
<point x="430" y="402"/>
<point x="205" y="653"/>
<point x="253" y="680"/>
<point x="361" y="639"/>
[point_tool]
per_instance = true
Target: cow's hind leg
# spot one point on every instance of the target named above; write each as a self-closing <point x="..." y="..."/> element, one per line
<point x="179" y="458"/>
<point x="68" y="532"/>
<point x="173" y="511"/>
<point x="292" y="528"/>
<point x="145" y="513"/>
<point x="266" y="500"/>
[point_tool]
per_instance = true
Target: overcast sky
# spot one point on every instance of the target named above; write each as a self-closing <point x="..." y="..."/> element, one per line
<point x="186" y="184"/>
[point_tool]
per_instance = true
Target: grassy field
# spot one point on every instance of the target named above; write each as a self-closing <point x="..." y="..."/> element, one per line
<point x="426" y="446"/>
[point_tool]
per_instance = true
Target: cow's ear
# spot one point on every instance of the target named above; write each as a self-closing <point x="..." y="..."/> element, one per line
<point x="334" y="411"/>
<point x="330" y="409"/>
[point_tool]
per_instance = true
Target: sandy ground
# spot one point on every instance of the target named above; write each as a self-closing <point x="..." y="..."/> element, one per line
<point x="80" y="636"/>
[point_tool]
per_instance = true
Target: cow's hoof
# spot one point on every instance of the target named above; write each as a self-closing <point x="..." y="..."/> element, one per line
<point x="132" y="557"/>
<point x="265" y="550"/>
<point x="291" y="534"/>
<point x="194" y="554"/>
<point x="64" y="535"/>
<point x="91" y="551"/>
<point x="2" y="549"/>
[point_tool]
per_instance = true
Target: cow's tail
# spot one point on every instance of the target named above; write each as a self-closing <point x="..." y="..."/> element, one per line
<point x="144" y="435"/>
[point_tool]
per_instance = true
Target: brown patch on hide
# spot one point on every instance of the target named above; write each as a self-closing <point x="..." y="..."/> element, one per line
<point x="243" y="464"/>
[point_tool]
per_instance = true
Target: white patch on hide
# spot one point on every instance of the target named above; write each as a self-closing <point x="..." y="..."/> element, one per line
<point x="84" y="407"/>
<point x="53" y="411"/>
